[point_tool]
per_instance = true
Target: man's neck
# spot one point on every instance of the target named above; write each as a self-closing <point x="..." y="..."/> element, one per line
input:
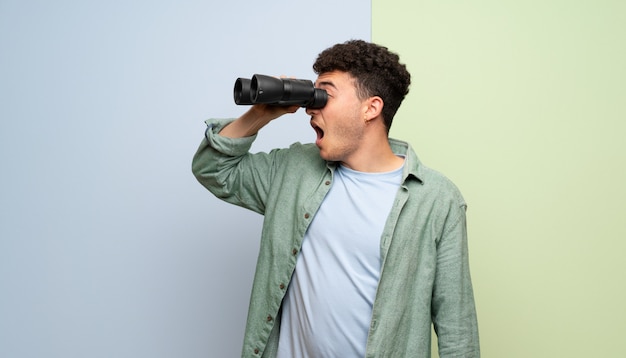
<point x="377" y="157"/>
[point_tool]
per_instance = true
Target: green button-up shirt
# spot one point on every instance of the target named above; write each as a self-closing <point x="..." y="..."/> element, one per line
<point x="424" y="275"/>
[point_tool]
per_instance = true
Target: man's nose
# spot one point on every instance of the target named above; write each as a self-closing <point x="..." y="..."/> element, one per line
<point x="311" y="111"/>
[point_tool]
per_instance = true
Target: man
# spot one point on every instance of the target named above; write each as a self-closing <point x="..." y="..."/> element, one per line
<point x="362" y="246"/>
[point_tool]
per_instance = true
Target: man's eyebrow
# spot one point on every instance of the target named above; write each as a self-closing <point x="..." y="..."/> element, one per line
<point x="326" y="83"/>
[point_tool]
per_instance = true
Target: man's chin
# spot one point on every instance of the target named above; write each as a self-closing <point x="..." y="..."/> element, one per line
<point x="327" y="156"/>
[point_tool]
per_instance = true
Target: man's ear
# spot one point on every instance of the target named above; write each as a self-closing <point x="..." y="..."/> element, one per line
<point x="374" y="108"/>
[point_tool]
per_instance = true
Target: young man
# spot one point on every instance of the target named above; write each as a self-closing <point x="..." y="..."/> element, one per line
<point x="362" y="245"/>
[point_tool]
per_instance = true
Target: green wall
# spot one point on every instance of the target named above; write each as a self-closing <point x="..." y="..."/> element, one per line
<point x="523" y="105"/>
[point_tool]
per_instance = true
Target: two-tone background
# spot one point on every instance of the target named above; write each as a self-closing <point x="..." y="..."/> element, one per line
<point x="109" y="247"/>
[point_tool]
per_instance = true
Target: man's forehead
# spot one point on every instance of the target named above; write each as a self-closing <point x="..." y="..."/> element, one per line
<point x="333" y="79"/>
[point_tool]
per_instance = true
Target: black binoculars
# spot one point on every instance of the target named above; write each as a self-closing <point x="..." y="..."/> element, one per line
<point x="279" y="92"/>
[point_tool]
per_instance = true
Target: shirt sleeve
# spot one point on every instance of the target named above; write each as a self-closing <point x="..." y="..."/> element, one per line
<point x="453" y="307"/>
<point x="228" y="170"/>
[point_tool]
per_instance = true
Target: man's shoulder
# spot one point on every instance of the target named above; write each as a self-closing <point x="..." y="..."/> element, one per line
<point x="436" y="178"/>
<point x="441" y="187"/>
<point x="300" y="155"/>
<point x="304" y="147"/>
<point x="300" y="151"/>
<point x="433" y="182"/>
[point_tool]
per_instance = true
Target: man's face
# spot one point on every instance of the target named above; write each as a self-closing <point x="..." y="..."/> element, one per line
<point x="340" y="124"/>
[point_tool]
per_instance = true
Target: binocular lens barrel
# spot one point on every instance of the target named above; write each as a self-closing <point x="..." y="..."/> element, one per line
<point x="242" y="91"/>
<point x="278" y="92"/>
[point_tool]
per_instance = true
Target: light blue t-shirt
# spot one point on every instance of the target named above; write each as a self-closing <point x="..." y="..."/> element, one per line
<point x="328" y="305"/>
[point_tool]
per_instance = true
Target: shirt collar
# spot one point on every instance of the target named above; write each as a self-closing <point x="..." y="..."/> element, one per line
<point x="412" y="167"/>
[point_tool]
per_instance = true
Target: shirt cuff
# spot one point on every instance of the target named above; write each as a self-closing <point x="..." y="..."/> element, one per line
<point x="225" y="145"/>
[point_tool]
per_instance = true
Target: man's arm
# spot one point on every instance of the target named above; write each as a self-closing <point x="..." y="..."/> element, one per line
<point x="454" y="312"/>
<point x="224" y="165"/>
<point x="257" y="117"/>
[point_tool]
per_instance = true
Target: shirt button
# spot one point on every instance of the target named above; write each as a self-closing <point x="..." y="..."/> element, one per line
<point x="256" y="351"/>
<point x="306" y="216"/>
<point x="327" y="182"/>
<point x="269" y="318"/>
<point x="282" y="286"/>
<point x="294" y="251"/>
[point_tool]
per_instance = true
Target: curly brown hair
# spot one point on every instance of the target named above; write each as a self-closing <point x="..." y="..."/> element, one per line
<point x="377" y="72"/>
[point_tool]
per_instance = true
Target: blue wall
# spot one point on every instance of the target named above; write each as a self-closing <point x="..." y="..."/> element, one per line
<point x="108" y="245"/>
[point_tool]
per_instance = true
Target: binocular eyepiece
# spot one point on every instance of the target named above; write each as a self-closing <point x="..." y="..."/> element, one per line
<point x="278" y="92"/>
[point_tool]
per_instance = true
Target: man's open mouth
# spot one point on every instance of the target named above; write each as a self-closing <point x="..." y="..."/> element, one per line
<point x="319" y="131"/>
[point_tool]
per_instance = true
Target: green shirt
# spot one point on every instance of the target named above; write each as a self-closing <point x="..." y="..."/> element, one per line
<point x="424" y="274"/>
